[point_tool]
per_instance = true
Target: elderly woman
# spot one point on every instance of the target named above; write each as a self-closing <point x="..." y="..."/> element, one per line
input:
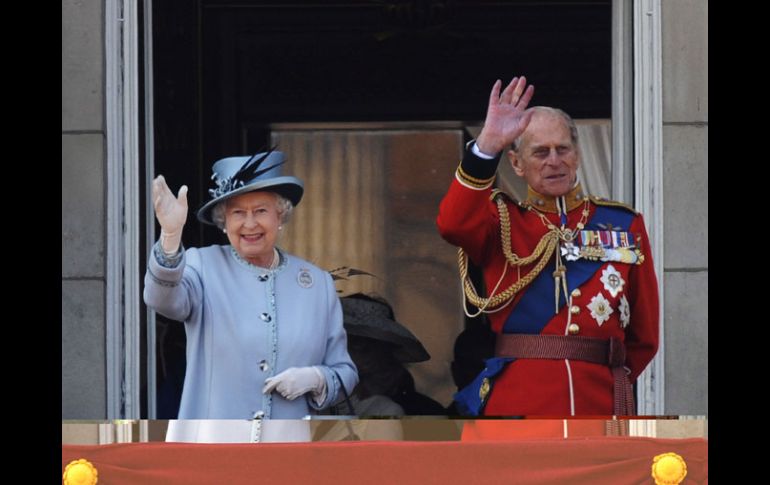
<point x="264" y="328"/>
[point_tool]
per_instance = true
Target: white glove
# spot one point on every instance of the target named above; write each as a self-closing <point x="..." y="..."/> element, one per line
<point x="296" y="381"/>
<point x="171" y="213"/>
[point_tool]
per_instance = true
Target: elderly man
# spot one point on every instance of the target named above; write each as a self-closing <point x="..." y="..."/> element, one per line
<point x="572" y="294"/>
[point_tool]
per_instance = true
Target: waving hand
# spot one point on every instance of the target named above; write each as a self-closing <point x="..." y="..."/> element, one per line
<point x="171" y="213"/>
<point x="507" y="115"/>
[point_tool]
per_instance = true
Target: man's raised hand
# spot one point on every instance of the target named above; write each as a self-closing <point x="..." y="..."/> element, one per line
<point x="507" y="115"/>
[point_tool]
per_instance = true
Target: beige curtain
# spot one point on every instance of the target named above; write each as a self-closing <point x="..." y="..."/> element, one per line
<point x="371" y="200"/>
<point x="339" y="221"/>
<point x="595" y="140"/>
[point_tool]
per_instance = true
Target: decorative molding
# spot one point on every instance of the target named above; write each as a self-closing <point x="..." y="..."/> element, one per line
<point x="648" y="174"/>
<point x="149" y="212"/>
<point x="643" y="427"/>
<point x="124" y="430"/>
<point x="622" y="165"/>
<point x="144" y="431"/>
<point x="122" y="278"/>
<point x="106" y="433"/>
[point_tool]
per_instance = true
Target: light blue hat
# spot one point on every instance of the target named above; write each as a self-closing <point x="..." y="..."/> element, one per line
<point x="238" y="175"/>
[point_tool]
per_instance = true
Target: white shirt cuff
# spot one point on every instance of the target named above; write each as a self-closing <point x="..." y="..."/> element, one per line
<point x="476" y="151"/>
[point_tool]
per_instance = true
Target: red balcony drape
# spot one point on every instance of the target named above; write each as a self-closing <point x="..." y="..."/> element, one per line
<point x="590" y="460"/>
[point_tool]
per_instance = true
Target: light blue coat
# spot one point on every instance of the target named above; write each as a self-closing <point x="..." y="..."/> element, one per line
<point x="245" y="324"/>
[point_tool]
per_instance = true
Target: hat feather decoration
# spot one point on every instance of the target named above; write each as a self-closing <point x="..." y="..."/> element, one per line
<point x="248" y="171"/>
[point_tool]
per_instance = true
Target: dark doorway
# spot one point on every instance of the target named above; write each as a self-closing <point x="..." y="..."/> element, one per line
<point x="225" y="70"/>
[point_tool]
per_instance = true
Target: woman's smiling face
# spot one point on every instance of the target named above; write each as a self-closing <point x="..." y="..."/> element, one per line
<point x="252" y="221"/>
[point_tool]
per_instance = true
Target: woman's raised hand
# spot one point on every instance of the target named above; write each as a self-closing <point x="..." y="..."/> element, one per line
<point x="171" y="213"/>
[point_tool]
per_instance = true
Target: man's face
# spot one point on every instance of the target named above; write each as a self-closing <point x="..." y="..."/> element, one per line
<point x="547" y="158"/>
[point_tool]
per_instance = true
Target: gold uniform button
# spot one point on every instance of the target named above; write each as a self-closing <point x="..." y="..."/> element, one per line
<point x="575" y="310"/>
<point x="573" y="328"/>
<point x="576" y="293"/>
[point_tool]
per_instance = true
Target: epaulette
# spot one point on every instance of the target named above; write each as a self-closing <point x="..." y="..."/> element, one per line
<point x="612" y="203"/>
<point x="499" y="193"/>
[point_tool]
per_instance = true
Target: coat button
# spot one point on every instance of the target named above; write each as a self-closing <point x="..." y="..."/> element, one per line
<point x="576" y="293"/>
<point x="265" y="317"/>
<point x="574" y="309"/>
<point x="263" y="365"/>
<point x="573" y="328"/>
<point x="263" y="277"/>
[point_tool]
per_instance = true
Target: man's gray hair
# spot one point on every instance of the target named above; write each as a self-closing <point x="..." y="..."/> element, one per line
<point x="554" y="111"/>
<point x="284" y="205"/>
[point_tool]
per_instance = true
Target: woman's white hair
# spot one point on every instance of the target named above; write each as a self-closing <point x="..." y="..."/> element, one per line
<point x="284" y="206"/>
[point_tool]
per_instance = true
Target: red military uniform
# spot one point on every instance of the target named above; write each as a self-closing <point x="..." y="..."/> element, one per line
<point x="613" y="299"/>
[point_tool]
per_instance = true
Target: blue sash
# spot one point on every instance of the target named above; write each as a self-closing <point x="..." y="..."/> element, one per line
<point x="533" y="311"/>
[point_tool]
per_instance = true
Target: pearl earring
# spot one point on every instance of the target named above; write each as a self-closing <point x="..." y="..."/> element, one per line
<point x="224" y="230"/>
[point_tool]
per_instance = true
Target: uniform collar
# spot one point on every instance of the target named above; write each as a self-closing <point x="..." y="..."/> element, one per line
<point x="546" y="203"/>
